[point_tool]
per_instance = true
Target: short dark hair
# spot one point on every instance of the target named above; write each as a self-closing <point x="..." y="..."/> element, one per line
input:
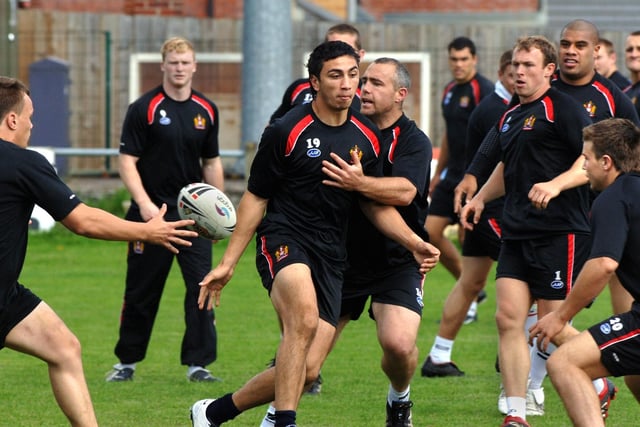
<point x="505" y="59"/>
<point x="460" y="43"/>
<point x="327" y="51"/>
<point x="12" y="92"/>
<point x="617" y="138"/>
<point x="344" y="28"/>
<point x="549" y="54"/>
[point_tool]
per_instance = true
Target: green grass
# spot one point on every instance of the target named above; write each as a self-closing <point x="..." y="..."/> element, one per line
<point x="83" y="280"/>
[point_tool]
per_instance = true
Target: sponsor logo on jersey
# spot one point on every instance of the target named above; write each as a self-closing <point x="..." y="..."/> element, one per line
<point x="314" y="152"/>
<point x="605" y="328"/>
<point x="419" y="297"/>
<point x="282" y="252"/>
<point x="529" y="122"/>
<point x="164" y="120"/>
<point x="591" y="108"/>
<point x="307" y="98"/>
<point x="357" y="150"/>
<point x="557" y="282"/>
<point x="447" y="98"/>
<point x="465" y="101"/>
<point x="199" y="122"/>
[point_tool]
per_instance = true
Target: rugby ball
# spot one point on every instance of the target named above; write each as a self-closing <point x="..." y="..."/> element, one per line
<point x="210" y="208"/>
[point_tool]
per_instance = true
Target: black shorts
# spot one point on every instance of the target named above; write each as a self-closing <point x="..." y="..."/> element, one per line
<point x="484" y="240"/>
<point x="402" y="287"/>
<point x="618" y="338"/>
<point x="441" y="203"/>
<point x="279" y="250"/>
<point x="16" y="309"/>
<point x="549" y="265"/>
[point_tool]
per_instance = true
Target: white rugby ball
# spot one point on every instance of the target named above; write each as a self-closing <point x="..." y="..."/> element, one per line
<point x="210" y="208"/>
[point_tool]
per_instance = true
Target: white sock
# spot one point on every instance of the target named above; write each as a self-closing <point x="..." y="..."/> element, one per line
<point x="194" y="368"/>
<point x="120" y="366"/>
<point x="473" y="309"/>
<point x="599" y="384"/>
<point x="517" y="407"/>
<point x="269" y="419"/>
<point x="441" y="350"/>
<point x="395" y="396"/>
<point x="539" y="366"/>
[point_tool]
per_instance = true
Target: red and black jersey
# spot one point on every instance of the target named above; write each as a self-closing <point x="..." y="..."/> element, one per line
<point x="405" y="152"/>
<point x="539" y="141"/>
<point x="287" y="170"/>
<point x="458" y="102"/>
<point x="600" y="98"/>
<point x="298" y="93"/>
<point x="170" y="138"/>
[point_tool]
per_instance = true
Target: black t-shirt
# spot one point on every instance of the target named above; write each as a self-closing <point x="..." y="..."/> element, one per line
<point x="405" y="152"/>
<point x="287" y="170"/>
<point x="633" y="93"/>
<point x="170" y="138"/>
<point x="539" y="141"/>
<point x="615" y="225"/>
<point x="458" y="102"/>
<point x="26" y="179"/>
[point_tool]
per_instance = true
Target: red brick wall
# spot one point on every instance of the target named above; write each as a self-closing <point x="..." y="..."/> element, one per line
<point x="231" y="9"/>
<point x="379" y="8"/>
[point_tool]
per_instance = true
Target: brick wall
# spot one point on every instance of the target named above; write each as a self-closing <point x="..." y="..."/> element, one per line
<point x="231" y="9"/>
<point x="378" y="8"/>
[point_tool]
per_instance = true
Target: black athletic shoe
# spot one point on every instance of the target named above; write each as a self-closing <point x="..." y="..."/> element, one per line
<point x="482" y="297"/>
<point x="202" y="376"/>
<point x="316" y="387"/>
<point x="430" y="369"/>
<point x="399" y="414"/>
<point x="120" y="375"/>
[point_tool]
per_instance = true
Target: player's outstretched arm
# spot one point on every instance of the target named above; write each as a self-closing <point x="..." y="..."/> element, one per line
<point x="542" y="193"/>
<point x="250" y="212"/>
<point x="98" y="224"/>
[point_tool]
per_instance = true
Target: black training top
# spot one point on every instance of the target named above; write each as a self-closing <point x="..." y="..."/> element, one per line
<point x="406" y="152"/>
<point x="458" y="101"/>
<point x="170" y="138"/>
<point x="26" y="179"/>
<point x="287" y="170"/>
<point x="539" y="141"/>
<point x="615" y="225"/>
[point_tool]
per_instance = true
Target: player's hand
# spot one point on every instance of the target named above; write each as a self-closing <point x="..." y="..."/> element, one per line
<point x="169" y="234"/>
<point x="546" y="329"/>
<point x="541" y="194"/>
<point x="464" y="191"/>
<point x="211" y="286"/>
<point x="427" y="256"/>
<point x="149" y="211"/>
<point x="344" y="175"/>
<point x="471" y="212"/>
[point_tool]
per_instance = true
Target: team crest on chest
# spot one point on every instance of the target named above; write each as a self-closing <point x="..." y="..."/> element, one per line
<point x="164" y="120"/>
<point x="199" y="122"/>
<point x="282" y="252"/>
<point x="591" y="108"/>
<point x="529" y="122"/>
<point x="355" y="149"/>
<point x="464" y="101"/>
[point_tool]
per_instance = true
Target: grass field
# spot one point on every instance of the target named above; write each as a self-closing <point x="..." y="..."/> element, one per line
<point x="83" y="280"/>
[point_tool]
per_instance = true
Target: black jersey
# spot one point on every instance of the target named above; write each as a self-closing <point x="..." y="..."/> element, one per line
<point x="287" y="170"/>
<point x="482" y="120"/>
<point x="170" y="138"/>
<point x="299" y="92"/>
<point x="619" y="80"/>
<point x="539" y="141"/>
<point x="633" y="93"/>
<point x="26" y="179"/>
<point x="458" y="102"/>
<point x="615" y="225"/>
<point x="405" y="152"/>
<point x="601" y="98"/>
